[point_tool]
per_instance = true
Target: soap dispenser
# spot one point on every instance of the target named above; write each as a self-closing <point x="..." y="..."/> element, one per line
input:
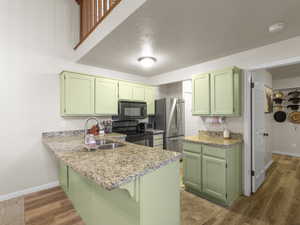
<point x="226" y="133"/>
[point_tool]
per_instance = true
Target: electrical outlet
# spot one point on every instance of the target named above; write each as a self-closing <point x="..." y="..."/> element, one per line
<point x="294" y="145"/>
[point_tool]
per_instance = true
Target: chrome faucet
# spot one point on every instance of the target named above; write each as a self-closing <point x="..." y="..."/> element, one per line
<point x="85" y="126"/>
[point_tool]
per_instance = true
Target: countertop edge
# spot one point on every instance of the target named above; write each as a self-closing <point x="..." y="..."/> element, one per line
<point x="214" y="144"/>
<point x="122" y="182"/>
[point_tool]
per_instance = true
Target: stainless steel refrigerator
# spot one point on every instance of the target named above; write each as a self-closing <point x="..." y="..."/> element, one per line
<point x="169" y="116"/>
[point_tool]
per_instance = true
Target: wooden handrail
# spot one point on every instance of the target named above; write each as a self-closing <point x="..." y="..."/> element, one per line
<point x="92" y="13"/>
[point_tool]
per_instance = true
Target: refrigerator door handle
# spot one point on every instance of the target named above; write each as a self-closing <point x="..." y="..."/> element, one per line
<point x="171" y="114"/>
<point x="176" y="117"/>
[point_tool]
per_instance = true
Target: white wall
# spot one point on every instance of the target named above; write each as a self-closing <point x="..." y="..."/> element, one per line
<point x="195" y="123"/>
<point x="283" y="52"/>
<point x="172" y="90"/>
<point x="36" y="45"/>
<point x="286" y="135"/>
<point x="263" y="76"/>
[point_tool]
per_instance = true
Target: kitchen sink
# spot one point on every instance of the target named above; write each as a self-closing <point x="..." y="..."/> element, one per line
<point x="112" y="145"/>
<point x="104" y="144"/>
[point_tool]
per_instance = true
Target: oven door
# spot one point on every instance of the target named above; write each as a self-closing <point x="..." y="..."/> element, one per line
<point x="138" y="139"/>
<point x="132" y="110"/>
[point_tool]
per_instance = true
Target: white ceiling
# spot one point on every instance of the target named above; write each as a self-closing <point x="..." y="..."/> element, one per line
<point x="181" y="35"/>
<point x="285" y="71"/>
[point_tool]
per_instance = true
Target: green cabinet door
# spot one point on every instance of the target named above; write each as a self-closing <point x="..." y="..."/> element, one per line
<point x="138" y="92"/>
<point x="222" y="92"/>
<point x="192" y="170"/>
<point x="201" y="94"/>
<point x="125" y="91"/>
<point x="63" y="176"/>
<point x="106" y="96"/>
<point x="214" y="177"/>
<point x="78" y="94"/>
<point x="150" y="99"/>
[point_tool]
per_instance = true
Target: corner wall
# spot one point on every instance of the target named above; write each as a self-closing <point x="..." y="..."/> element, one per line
<point x="36" y="45"/>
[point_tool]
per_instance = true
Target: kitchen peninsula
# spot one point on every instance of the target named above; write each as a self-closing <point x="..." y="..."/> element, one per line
<point x="129" y="185"/>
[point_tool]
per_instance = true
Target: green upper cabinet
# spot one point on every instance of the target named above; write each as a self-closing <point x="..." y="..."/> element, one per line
<point x="125" y="90"/>
<point x="138" y="92"/>
<point x="86" y="95"/>
<point x="150" y="99"/>
<point x="106" y="96"/>
<point x="131" y="91"/>
<point x="201" y="94"/>
<point x="214" y="177"/>
<point x="77" y="97"/>
<point x="217" y="93"/>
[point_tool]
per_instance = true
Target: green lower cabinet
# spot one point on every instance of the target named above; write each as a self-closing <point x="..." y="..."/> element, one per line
<point x="214" y="177"/>
<point x="213" y="172"/>
<point x="148" y="200"/>
<point x="63" y="176"/>
<point x="192" y="170"/>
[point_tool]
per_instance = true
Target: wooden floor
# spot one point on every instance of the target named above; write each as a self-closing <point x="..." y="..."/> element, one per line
<point x="277" y="202"/>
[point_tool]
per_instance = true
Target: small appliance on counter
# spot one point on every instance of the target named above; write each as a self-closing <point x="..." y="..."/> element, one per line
<point x="226" y="133"/>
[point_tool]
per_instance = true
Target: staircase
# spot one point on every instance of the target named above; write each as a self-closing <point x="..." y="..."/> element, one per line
<point x="92" y="13"/>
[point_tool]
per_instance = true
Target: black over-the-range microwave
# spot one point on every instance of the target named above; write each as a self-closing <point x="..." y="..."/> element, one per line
<point x="131" y="110"/>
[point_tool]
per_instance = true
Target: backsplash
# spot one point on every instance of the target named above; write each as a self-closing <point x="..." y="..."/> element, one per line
<point x="219" y="134"/>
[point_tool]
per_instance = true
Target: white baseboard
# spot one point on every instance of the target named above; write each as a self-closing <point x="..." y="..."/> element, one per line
<point x="268" y="165"/>
<point x="288" y="154"/>
<point x="28" y="191"/>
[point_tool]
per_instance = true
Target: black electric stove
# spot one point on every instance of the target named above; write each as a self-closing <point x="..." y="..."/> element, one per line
<point x="135" y="131"/>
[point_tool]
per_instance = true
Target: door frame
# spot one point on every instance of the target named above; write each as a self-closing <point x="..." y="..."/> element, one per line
<point x="247" y="157"/>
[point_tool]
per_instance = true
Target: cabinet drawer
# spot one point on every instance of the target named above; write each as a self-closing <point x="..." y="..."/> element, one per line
<point x="192" y="147"/>
<point x="215" y="152"/>
<point x="158" y="137"/>
<point x="158" y="142"/>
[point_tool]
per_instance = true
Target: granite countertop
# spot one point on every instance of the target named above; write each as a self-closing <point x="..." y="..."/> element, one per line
<point x="108" y="168"/>
<point x="210" y="140"/>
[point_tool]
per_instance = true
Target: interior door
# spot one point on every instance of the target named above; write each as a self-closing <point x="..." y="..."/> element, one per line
<point x="258" y="139"/>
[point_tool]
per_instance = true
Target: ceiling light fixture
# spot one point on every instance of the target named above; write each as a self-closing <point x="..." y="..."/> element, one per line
<point x="276" y="27"/>
<point x="147" y="61"/>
